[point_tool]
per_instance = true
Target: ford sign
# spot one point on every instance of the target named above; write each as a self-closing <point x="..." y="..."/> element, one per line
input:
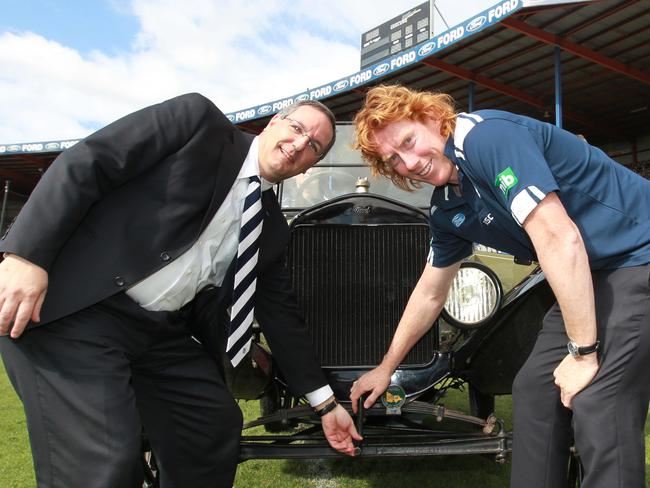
<point x="264" y="109"/>
<point x="476" y="23"/>
<point x="381" y="69"/>
<point x="426" y="49"/>
<point x="302" y="97"/>
<point x="341" y="85"/>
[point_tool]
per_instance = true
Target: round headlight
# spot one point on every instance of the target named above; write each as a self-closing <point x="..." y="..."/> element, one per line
<point x="474" y="296"/>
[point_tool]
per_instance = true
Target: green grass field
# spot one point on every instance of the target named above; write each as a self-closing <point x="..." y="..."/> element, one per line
<point x="442" y="472"/>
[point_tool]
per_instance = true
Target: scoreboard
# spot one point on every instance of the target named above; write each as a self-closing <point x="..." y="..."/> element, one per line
<point x="398" y="34"/>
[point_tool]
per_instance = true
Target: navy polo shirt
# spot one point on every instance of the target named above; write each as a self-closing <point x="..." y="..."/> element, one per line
<point x="507" y="164"/>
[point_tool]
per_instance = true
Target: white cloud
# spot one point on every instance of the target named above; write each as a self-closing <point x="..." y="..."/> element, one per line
<point x="237" y="53"/>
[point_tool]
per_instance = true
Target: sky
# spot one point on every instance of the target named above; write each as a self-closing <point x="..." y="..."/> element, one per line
<point x="69" y="67"/>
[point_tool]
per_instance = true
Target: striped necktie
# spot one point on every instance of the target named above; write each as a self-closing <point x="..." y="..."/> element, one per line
<point x="241" y="314"/>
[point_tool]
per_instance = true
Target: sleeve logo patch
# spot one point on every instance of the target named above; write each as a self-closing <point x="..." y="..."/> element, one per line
<point x="506" y="181"/>
<point x="458" y="219"/>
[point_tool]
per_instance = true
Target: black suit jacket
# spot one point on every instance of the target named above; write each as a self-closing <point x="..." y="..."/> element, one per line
<point x="126" y="200"/>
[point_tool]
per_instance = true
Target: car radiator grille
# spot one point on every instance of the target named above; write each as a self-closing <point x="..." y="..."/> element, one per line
<point x="353" y="283"/>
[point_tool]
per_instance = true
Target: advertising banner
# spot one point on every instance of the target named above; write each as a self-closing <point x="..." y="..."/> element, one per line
<point x="374" y="72"/>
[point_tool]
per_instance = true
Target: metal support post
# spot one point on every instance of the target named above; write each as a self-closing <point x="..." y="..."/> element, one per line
<point x="558" y="86"/>
<point x="5" y="197"/>
<point x="470" y="96"/>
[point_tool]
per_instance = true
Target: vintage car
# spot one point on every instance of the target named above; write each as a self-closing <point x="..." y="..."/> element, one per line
<point x="358" y="247"/>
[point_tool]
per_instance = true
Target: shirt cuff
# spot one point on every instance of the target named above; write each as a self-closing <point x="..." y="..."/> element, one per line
<point x="317" y="397"/>
<point x="525" y="202"/>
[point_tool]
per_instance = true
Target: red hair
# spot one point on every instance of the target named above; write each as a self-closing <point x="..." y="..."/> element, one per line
<point x="386" y="104"/>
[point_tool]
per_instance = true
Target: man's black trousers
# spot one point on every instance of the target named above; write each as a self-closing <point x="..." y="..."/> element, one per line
<point x="607" y="418"/>
<point x="91" y="381"/>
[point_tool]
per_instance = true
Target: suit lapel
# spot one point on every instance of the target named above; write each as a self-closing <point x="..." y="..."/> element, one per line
<point x="232" y="157"/>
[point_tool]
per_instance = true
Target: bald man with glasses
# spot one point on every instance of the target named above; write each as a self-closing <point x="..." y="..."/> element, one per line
<point x="129" y="241"/>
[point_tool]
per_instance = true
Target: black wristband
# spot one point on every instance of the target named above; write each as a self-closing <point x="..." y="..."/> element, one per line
<point x="327" y="408"/>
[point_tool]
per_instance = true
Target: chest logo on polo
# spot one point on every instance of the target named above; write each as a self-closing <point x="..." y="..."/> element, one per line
<point x="506" y="181"/>
<point x="458" y="219"/>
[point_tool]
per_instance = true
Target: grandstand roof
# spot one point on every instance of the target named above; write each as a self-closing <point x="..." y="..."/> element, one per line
<point x="605" y="56"/>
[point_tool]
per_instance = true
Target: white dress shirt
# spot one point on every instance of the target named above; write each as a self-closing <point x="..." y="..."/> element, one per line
<point x="206" y="262"/>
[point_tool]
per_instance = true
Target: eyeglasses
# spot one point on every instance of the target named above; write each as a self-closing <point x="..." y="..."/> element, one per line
<point x="299" y="129"/>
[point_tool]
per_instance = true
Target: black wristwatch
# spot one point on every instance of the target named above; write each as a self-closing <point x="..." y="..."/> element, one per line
<point x="575" y="350"/>
<point x="327" y="408"/>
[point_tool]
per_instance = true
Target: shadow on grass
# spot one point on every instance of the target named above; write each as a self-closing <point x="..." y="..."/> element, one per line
<point x="442" y="471"/>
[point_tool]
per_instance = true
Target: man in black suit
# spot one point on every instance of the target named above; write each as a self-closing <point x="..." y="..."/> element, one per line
<point x="127" y="241"/>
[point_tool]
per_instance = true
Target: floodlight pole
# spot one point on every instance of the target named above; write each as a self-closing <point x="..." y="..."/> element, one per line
<point x="433" y="7"/>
